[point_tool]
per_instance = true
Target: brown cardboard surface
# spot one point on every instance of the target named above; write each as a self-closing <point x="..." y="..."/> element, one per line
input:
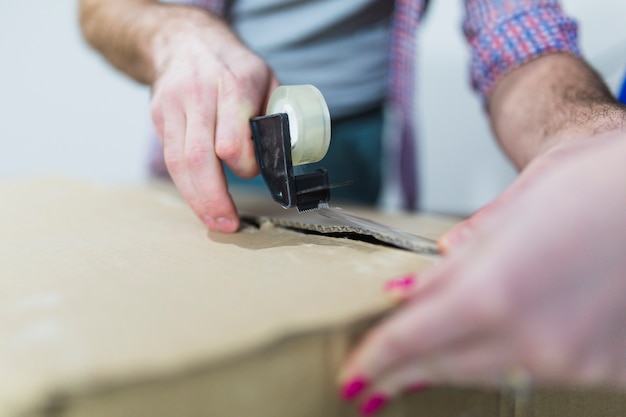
<point x="117" y="302"/>
<point x="102" y="287"/>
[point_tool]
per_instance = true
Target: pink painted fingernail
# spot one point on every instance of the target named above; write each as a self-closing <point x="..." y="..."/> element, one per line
<point x="401" y="284"/>
<point x="373" y="405"/>
<point x="418" y="387"/>
<point x="351" y="389"/>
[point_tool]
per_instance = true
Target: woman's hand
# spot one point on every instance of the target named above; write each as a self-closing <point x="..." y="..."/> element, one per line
<point x="533" y="287"/>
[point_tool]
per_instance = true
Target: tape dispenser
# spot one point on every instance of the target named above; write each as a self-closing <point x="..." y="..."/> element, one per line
<point x="295" y="131"/>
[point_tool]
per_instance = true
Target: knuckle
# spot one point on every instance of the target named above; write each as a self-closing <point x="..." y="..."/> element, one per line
<point x="155" y="110"/>
<point x="548" y="355"/>
<point x="213" y="204"/>
<point x="182" y="86"/>
<point x="173" y="161"/>
<point x="238" y="81"/>
<point x="394" y="342"/>
<point x="192" y="87"/>
<point x="228" y="149"/>
<point x="491" y="310"/>
<point x="197" y="156"/>
<point x="544" y="361"/>
<point x="256" y="65"/>
<point x="157" y="118"/>
<point x="230" y="84"/>
<point x="167" y="90"/>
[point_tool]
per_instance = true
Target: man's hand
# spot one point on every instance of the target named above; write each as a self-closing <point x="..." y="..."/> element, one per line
<point x="537" y="290"/>
<point x="204" y="94"/>
<point x="206" y="86"/>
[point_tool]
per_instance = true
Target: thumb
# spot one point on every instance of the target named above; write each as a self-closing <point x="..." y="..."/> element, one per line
<point x="461" y="232"/>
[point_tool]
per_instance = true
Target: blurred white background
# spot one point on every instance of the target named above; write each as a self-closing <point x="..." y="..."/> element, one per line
<point x="63" y="111"/>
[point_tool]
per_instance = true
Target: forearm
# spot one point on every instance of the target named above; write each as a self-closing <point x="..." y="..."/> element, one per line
<point x="545" y="102"/>
<point x="134" y="36"/>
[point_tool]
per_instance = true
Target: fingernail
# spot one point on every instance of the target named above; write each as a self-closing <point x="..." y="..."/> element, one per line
<point x="225" y="224"/>
<point x="373" y="405"/>
<point x="209" y="222"/>
<point x="401" y="284"/>
<point x="443" y="244"/>
<point x="351" y="389"/>
<point x="418" y="387"/>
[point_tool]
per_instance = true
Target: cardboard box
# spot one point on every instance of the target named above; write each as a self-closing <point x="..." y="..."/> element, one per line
<point x="117" y="302"/>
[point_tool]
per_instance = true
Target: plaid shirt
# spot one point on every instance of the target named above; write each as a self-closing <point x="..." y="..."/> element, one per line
<point x="502" y="34"/>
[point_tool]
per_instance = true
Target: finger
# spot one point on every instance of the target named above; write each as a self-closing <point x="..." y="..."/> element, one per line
<point x="407" y="287"/>
<point x="480" y="362"/>
<point x="439" y="316"/>
<point x="410" y="332"/>
<point x="173" y="138"/>
<point x="377" y="395"/>
<point x="239" y="98"/>
<point x="460" y="233"/>
<point x="401" y="289"/>
<point x="215" y="205"/>
<point x="274" y="84"/>
<point x="156" y="112"/>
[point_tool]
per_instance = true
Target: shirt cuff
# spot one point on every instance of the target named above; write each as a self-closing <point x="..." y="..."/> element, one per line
<point x="516" y="39"/>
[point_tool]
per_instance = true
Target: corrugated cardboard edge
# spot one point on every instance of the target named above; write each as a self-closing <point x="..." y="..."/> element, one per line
<point x="240" y="384"/>
<point x="291" y="376"/>
<point x="347" y="230"/>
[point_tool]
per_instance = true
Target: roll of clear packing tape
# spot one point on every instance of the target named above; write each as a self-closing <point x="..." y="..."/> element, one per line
<point x="309" y="121"/>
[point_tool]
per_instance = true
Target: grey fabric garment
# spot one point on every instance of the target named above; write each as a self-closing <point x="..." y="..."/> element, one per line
<point x="354" y="155"/>
<point x="341" y="47"/>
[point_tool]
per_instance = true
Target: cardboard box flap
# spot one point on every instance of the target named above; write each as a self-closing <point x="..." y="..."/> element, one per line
<point x="402" y="230"/>
<point x="116" y="301"/>
<point x="103" y="285"/>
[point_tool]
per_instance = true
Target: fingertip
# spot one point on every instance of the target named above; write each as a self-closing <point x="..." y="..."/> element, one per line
<point x="373" y="404"/>
<point x="418" y="387"/>
<point x="403" y="283"/>
<point x="352" y="388"/>
<point x="228" y="148"/>
<point x="227" y="225"/>
<point x="221" y="224"/>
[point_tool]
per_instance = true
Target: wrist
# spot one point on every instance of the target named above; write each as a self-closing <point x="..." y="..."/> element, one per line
<point x="586" y="122"/>
<point x="549" y="101"/>
<point x="182" y="31"/>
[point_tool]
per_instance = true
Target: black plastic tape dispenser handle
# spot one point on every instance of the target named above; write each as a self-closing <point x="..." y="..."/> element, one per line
<point x="296" y="131"/>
